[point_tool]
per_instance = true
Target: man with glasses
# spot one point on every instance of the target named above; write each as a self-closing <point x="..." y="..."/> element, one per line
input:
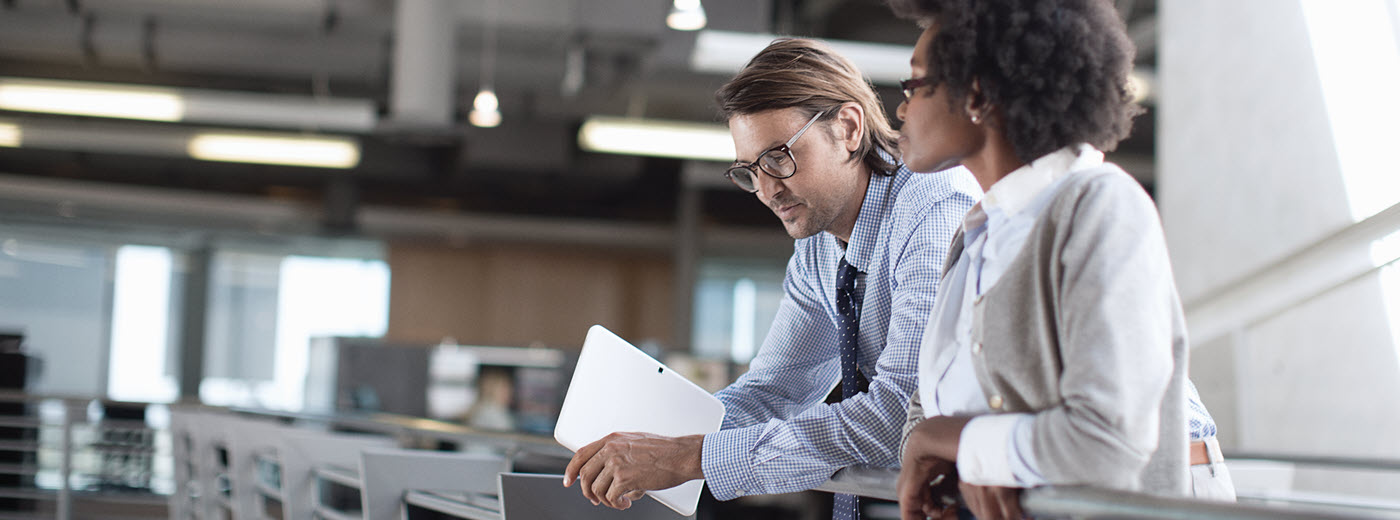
<point x="815" y="146"/>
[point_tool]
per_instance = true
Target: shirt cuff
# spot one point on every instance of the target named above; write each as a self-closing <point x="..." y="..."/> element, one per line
<point x="989" y="453"/>
<point x="724" y="460"/>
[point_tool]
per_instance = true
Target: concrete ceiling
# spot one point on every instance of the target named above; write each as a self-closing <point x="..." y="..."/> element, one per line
<point x="530" y="165"/>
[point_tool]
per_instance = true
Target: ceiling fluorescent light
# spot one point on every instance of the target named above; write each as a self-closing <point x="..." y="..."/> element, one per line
<point x="686" y="15"/>
<point x="188" y="105"/>
<point x="323" y="152"/>
<point x="305" y="113"/>
<point x="10" y="135"/>
<point x="726" y="52"/>
<point x="656" y="138"/>
<point x="91" y="99"/>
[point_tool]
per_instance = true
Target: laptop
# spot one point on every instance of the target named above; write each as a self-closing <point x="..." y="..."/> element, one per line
<point x="618" y="388"/>
<point x="532" y="496"/>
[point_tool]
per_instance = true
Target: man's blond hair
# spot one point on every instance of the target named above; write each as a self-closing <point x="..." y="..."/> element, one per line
<point x="808" y="74"/>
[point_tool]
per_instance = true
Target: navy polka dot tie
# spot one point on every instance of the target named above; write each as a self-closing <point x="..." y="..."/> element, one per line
<point x="847" y="507"/>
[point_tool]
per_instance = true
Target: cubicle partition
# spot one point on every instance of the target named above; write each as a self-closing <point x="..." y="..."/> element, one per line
<point x="219" y="463"/>
<point x="247" y="464"/>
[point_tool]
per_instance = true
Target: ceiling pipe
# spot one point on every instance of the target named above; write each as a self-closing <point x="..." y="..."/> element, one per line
<point x="80" y="205"/>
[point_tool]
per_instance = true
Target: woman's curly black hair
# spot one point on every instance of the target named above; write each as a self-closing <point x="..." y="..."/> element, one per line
<point x="1057" y="70"/>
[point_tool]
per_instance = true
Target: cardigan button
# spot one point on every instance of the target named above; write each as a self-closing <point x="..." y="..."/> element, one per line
<point x="995" y="402"/>
<point x="977" y="347"/>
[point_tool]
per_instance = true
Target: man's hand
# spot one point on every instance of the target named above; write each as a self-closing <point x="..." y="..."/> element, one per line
<point x="619" y="468"/>
<point x="992" y="502"/>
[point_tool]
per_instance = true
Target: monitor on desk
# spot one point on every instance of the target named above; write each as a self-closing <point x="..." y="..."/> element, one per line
<point x="531" y="496"/>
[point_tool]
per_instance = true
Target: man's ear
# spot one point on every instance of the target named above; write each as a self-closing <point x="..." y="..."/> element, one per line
<point x="850" y="126"/>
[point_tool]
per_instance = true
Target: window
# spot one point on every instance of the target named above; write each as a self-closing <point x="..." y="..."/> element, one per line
<point x="271" y="307"/>
<point x="54" y="292"/>
<point x="141" y="326"/>
<point x="735" y="303"/>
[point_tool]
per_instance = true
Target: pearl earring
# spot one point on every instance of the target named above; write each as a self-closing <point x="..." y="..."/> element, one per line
<point x="975" y="118"/>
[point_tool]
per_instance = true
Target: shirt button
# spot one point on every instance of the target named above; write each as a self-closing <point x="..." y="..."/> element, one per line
<point x="741" y="492"/>
<point x="995" y="402"/>
<point x="977" y="347"/>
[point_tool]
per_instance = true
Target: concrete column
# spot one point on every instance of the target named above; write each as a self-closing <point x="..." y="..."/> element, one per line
<point x="423" y="85"/>
<point x="687" y="262"/>
<point x="194" y="320"/>
<point x="1257" y="199"/>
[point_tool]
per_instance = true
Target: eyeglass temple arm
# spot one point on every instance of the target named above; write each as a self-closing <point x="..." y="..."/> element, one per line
<point x="809" y="124"/>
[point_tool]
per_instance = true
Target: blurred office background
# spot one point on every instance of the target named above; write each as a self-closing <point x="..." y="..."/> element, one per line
<point x="264" y="204"/>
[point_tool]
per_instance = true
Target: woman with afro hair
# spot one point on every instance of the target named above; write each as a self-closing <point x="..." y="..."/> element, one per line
<point x="1056" y="353"/>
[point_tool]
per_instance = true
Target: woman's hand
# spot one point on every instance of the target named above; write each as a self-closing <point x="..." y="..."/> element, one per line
<point x="992" y="502"/>
<point x="927" y="488"/>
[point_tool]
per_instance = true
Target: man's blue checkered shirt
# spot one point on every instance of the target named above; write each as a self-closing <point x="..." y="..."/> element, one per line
<point x="778" y="435"/>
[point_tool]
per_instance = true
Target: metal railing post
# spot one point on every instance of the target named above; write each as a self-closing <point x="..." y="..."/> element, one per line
<point x="64" y="508"/>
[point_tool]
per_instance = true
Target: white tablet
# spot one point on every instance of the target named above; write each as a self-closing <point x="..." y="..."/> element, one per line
<point x="618" y="388"/>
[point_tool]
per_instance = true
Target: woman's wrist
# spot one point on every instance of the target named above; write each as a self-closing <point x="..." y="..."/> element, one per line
<point x="938" y="437"/>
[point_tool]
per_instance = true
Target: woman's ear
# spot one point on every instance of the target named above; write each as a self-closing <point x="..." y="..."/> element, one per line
<point x="976" y="104"/>
<point x="850" y="126"/>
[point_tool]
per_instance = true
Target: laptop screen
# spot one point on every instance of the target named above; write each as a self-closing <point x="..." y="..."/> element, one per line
<point x="528" y="496"/>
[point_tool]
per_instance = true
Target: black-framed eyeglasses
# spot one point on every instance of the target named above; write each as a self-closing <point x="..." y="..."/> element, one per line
<point x="912" y="84"/>
<point x="777" y="162"/>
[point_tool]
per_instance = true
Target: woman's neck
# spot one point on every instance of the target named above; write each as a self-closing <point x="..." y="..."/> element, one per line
<point x="995" y="160"/>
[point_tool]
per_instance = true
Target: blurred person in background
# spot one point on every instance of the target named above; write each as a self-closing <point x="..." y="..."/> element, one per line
<point x="1057" y="352"/>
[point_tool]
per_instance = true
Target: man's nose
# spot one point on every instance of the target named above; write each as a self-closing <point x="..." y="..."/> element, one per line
<point x="768" y="187"/>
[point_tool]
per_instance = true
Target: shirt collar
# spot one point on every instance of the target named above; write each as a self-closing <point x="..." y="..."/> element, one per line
<point x="1015" y="191"/>
<point x="873" y="210"/>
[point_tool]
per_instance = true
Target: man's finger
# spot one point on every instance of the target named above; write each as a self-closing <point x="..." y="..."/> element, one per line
<point x="600" y="486"/>
<point x="581" y="457"/>
<point x="634" y="496"/>
<point x="588" y="475"/>
<point x="616" y="497"/>
<point x="593" y="470"/>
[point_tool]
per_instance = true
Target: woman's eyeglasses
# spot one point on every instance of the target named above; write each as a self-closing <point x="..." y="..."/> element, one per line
<point x="912" y="84"/>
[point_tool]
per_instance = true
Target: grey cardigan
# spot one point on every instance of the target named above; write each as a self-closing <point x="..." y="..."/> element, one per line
<point x="1085" y="330"/>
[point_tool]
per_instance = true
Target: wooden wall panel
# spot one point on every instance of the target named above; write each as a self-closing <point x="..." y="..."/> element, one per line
<point x="651" y="300"/>
<point x="553" y="296"/>
<point x="521" y="295"/>
<point x="435" y="292"/>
